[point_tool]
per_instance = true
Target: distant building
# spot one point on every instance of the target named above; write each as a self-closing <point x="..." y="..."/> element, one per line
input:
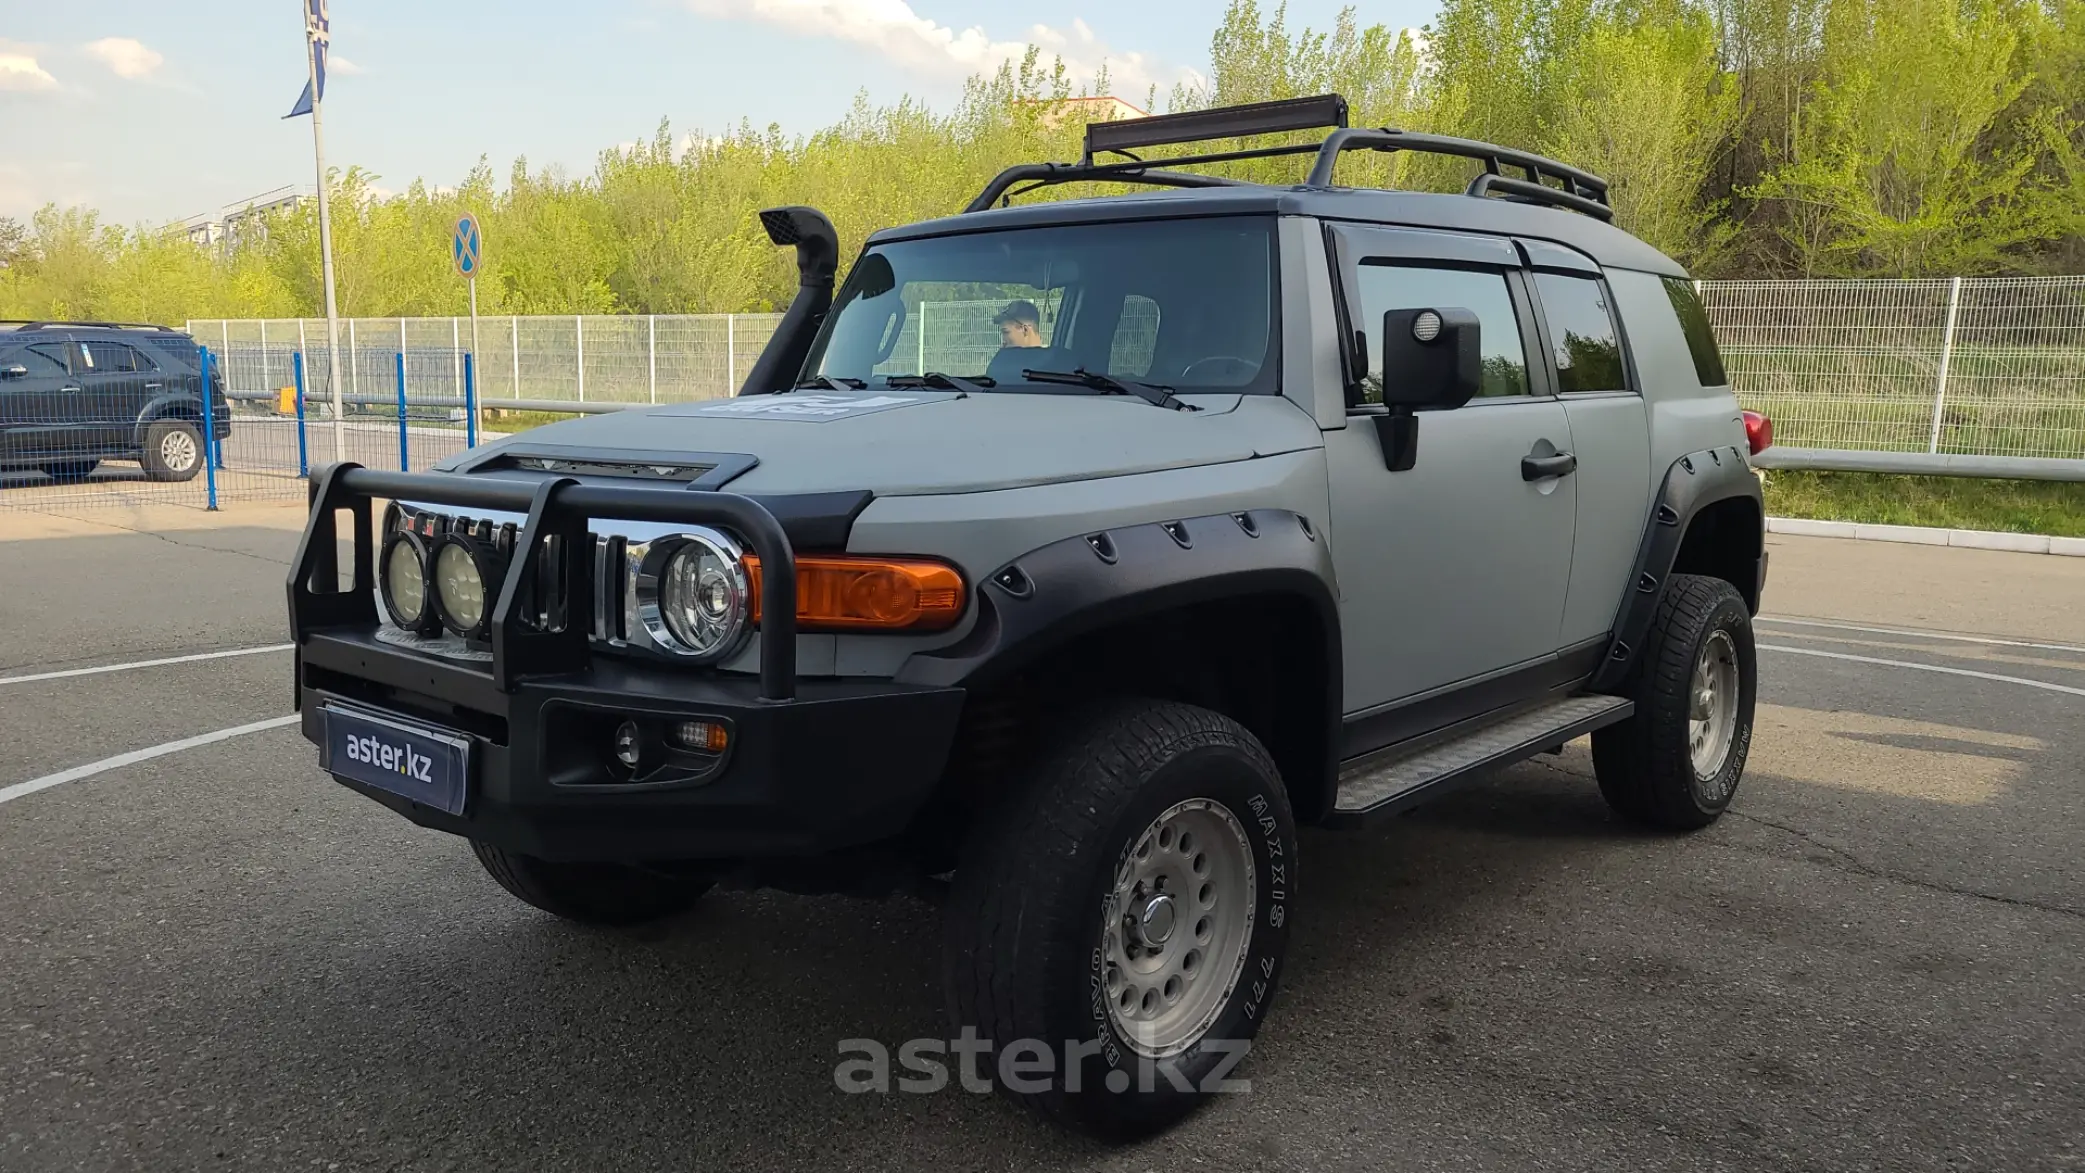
<point x="242" y="221"/>
<point x="1105" y="108"/>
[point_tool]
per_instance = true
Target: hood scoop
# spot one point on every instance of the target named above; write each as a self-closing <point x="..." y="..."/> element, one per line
<point x="695" y="470"/>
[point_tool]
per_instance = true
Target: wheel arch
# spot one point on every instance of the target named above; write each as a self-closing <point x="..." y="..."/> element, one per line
<point x="1235" y="612"/>
<point x="166" y="407"/>
<point x="1709" y="518"/>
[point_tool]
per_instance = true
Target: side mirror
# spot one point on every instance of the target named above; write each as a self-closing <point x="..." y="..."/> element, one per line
<point x="1432" y="358"/>
<point x="17" y="371"/>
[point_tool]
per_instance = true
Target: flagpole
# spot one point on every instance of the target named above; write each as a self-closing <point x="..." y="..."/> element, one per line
<point x="318" y="150"/>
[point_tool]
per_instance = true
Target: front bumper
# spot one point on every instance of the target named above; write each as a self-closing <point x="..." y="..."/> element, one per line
<point x="813" y="765"/>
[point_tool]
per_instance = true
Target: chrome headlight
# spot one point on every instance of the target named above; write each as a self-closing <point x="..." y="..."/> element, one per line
<point x="460" y="574"/>
<point x="402" y="583"/>
<point x="692" y="595"/>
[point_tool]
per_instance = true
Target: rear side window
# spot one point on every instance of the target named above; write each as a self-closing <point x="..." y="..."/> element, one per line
<point x="104" y="357"/>
<point x="1385" y="287"/>
<point x="1701" y="339"/>
<point x="1581" y="332"/>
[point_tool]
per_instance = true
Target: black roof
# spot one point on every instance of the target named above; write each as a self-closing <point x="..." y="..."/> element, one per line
<point x="1606" y="244"/>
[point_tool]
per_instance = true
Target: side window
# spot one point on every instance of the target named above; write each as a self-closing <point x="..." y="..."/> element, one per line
<point x="106" y="357"/>
<point x="1581" y="331"/>
<point x="1136" y="337"/>
<point x="1701" y="339"/>
<point x="43" y="361"/>
<point x="1386" y="286"/>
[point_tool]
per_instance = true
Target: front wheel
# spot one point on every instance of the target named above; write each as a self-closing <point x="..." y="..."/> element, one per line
<point x="1117" y="926"/>
<point x="591" y="893"/>
<point x="1676" y="763"/>
<point x="173" y="451"/>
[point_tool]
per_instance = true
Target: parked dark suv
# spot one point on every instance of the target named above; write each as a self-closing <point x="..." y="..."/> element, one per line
<point x="73" y="394"/>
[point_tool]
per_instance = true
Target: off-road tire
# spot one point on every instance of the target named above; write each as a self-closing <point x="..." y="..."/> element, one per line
<point x="154" y="457"/>
<point x="1644" y="764"/>
<point x="67" y="472"/>
<point x="1035" y="885"/>
<point x="591" y="893"/>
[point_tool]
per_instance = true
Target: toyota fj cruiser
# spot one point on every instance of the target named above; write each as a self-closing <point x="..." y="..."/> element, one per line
<point x="1078" y="552"/>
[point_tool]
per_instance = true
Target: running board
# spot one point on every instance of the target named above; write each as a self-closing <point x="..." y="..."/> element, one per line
<point x="1390" y="784"/>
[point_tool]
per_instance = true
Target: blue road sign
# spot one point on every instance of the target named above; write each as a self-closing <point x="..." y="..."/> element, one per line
<point x="466" y="245"/>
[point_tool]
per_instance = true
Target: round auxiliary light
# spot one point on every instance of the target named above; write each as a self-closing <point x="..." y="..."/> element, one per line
<point x="459" y="587"/>
<point x="1427" y="326"/>
<point x="403" y="584"/>
<point x="693" y="595"/>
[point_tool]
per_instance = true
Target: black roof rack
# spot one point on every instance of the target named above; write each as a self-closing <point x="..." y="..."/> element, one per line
<point x="1575" y="189"/>
<point x="35" y="325"/>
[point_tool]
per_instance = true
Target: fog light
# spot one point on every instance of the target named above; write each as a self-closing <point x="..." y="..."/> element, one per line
<point x="707" y="736"/>
<point x="629" y="745"/>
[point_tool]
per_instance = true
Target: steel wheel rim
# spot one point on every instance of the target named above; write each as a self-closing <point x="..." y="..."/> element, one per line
<point x="1176" y="927"/>
<point x="177" y="450"/>
<point x="1712" y="705"/>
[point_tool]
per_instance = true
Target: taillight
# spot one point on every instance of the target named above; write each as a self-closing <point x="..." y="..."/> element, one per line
<point x="1759" y="431"/>
<point x="870" y="594"/>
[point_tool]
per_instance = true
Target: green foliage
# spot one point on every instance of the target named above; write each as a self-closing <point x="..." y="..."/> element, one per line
<point x="1753" y="137"/>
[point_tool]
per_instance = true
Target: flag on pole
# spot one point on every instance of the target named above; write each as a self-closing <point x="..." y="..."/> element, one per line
<point x="318" y="32"/>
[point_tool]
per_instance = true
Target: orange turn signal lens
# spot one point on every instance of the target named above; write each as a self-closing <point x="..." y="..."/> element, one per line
<point x="842" y="593"/>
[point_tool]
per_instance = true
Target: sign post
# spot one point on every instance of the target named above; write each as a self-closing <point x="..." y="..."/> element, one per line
<point x="467" y="249"/>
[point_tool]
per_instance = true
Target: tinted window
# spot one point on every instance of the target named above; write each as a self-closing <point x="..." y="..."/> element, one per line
<point x="1410" y="287"/>
<point x="104" y="357"/>
<point x="1701" y="339"/>
<point x="1581" y="331"/>
<point x="1189" y="303"/>
<point x="41" y="360"/>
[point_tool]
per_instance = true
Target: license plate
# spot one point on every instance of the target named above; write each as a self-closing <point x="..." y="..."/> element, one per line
<point x="430" y="766"/>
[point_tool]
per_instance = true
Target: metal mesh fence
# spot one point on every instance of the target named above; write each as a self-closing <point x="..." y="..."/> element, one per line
<point x="1984" y="366"/>
<point x="1990" y="367"/>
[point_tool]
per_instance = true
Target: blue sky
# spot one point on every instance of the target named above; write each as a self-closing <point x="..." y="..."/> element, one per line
<point x="153" y="112"/>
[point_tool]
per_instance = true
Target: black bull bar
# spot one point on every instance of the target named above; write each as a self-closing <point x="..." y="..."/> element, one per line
<point x="558" y="507"/>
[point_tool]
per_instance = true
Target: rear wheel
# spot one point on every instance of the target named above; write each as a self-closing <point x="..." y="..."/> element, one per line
<point x="592" y="893"/>
<point x="1676" y="763"/>
<point x="71" y="470"/>
<point x="173" y="451"/>
<point x="1116" y="928"/>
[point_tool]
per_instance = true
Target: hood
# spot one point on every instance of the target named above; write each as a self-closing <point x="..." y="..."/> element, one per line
<point x="904" y="441"/>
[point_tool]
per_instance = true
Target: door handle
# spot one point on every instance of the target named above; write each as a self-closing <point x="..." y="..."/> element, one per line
<point x="71" y="387"/>
<point x="1534" y="468"/>
<point x="153" y="386"/>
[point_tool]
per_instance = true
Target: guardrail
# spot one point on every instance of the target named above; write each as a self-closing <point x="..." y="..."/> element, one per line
<point x="1927" y="464"/>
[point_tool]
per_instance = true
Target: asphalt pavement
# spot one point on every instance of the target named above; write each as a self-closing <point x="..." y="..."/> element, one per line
<point x="217" y="958"/>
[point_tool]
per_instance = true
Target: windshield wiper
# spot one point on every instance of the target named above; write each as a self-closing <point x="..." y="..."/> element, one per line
<point x="941" y="382"/>
<point x="1155" y="394"/>
<point x="828" y="383"/>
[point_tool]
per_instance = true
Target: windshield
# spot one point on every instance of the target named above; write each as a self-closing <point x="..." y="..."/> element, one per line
<point x="1182" y="303"/>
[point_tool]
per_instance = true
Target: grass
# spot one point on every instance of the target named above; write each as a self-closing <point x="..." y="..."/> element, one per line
<point x="521" y="421"/>
<point x="2027" y="507"/>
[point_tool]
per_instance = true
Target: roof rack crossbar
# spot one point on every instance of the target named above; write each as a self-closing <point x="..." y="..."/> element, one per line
<point x="1583" y="191"/>
<point x="1049" y="174"/>
<point x="1194" y="126"/>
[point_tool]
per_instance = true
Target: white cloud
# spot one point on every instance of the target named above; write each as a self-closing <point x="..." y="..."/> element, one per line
<point x="19" y="70"/>
<point x="126" y="57"/>
<point x="335" y="63"/>
<point x="892" y="28"/>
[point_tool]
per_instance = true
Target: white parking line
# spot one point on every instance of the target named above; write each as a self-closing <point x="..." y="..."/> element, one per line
<point x="24" y="789"/>
<point x="145" y="664"/>
<point x="1925" y="668"/>
<point x="1967" y="639"/>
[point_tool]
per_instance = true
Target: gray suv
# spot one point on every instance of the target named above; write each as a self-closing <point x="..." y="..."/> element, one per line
<point x="74" y="394"/>
<point x="1062" y="563"/>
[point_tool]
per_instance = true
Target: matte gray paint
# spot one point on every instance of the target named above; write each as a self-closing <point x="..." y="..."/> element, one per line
<point x="1611" y="436"/>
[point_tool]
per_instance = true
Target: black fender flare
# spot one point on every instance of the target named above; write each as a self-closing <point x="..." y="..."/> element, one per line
<point x="1057" y="593"/>
<point x="1692" y="483"/>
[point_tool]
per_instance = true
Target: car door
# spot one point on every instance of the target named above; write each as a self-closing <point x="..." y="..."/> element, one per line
<point x="1610" y="434"/>
<point x="113" y="378"/>
<point x="1452" y="573"/>
<point x="36" y="404"/>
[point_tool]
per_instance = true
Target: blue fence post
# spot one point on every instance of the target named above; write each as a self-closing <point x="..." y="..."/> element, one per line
<point x="209" y="432"/>
<point x="470" y="401"/>
<point x="404" y="462"/>
<point x="303" y="447"/>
